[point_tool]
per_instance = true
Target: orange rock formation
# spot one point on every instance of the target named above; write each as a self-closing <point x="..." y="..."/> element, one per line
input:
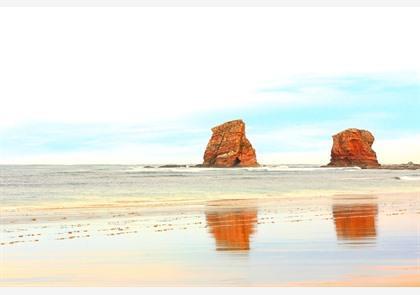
<point x="229" y="147"/>
<point x="232" y="229"/>
<point x="353" y="147"/>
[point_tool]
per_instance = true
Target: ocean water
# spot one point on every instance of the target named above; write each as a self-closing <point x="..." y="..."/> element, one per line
<point x="48" y="184"/>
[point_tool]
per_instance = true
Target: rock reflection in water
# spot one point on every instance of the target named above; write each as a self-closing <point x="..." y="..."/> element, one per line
<point x="232" y="229"/>
<point x="355" y="222"/>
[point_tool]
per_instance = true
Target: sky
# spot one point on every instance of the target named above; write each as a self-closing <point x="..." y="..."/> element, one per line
<point x="145" y="85"/>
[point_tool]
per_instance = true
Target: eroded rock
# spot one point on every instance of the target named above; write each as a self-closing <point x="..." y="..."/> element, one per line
<point x="353" y="147"/>
<point x="229" y="147"/>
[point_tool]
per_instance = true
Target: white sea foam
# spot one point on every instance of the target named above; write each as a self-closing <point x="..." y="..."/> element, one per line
<point x="409" y="178"/>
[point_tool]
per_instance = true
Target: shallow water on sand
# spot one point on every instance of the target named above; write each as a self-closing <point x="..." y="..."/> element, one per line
<point x="319" y="233"/>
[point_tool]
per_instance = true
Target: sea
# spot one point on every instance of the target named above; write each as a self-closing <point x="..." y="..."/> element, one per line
<point x="42" y="184"/>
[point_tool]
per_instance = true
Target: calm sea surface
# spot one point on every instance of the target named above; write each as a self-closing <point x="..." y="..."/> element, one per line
<point x="44" y="184"/>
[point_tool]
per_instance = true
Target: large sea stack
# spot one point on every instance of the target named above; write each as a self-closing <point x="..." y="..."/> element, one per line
<point x="353" y="147"/>
<point x="229" y="147"/>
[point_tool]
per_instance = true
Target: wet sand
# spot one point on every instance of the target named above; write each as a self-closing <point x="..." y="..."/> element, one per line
<point x="340" y="240"/>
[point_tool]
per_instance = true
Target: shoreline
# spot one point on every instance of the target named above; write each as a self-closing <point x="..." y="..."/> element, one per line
<point x="223" y="242"/>
<point x="133" y="206"/>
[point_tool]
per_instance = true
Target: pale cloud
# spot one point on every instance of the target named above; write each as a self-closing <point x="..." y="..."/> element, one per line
<point x="316" y="158"/>
<point x="151" y="74"/>
<point x="400" y="149"/>
<point x="149" y="64"/>
<point x="122" y="154"/>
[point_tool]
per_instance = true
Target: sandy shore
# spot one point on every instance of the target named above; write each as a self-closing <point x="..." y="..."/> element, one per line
<point x="340" y="240"/>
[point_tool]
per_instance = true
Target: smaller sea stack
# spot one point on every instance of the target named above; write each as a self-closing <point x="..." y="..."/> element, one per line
<point x="229" y="147"/>
<point x="353" y="147"/>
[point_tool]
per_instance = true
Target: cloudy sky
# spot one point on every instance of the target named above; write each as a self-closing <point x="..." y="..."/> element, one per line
<point x="144" y="85"/>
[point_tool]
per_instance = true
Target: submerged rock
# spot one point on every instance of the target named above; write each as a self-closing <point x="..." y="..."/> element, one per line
<point x="353" y="147"/>
<point x="173" y="166"/>
<point x="229" y="147"/>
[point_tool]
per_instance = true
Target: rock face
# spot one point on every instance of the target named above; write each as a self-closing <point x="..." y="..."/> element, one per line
<point x="353" y="147"/>
<point x="229" y="147"/>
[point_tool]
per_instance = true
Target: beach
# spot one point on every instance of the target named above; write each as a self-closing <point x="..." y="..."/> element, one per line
<point x="294" y="225"/>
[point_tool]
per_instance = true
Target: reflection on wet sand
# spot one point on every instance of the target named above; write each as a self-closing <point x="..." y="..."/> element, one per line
<point x="232" y="229"/>
<point x="355" y="222"/>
